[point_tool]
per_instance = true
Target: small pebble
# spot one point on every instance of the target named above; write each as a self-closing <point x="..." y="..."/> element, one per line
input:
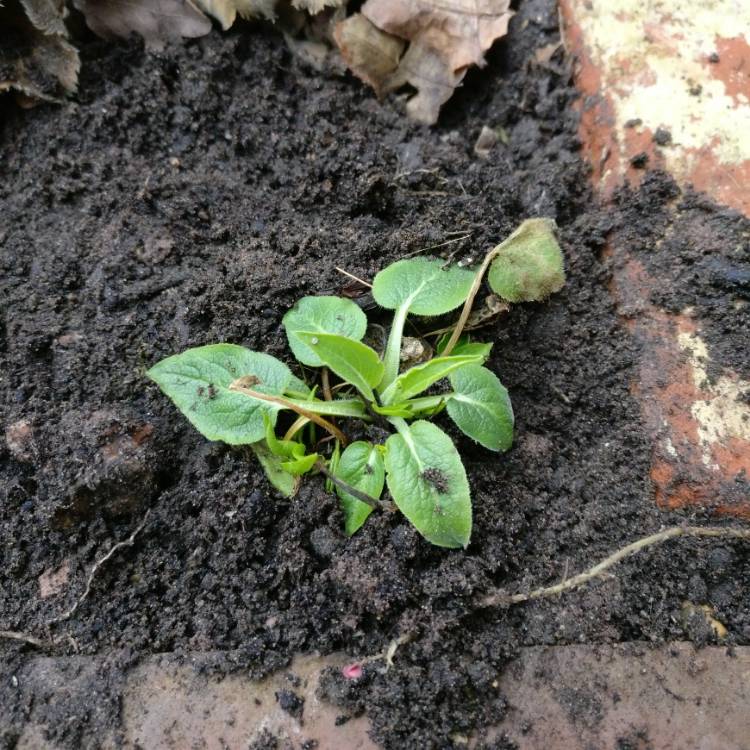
<point x="352" y="671"/>
<point x="662" y="136"/>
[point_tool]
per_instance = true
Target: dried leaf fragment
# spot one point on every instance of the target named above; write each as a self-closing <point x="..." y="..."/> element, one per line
<point x="35" y="58"/>
<point x="444" y="40"/>
<point x="313" y="7"/>
<point x="226" y="11"/>
<point x="156" y="21"/>
<point x="372" y="55"/>
<point x="46" y="15"/>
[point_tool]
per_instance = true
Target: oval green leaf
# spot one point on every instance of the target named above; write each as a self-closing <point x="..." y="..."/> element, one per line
<point x="428" y="484"/>
<point x="322" y="315"/>
<point x="282" y="480"/>
<point x="421" y="377"/>
<point x="424" y="285"/>
<point x="529" y="265"/>
<point x="352" y="361"/>
<point x="360" y="466"/>
<point x="198" y="383"/>
<point x="481" y="408"/>
<point x="464" y="347"/>
<point x="301" y="465"/>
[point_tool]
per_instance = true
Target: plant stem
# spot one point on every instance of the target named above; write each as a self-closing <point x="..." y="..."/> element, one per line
<point x="326" y="384"/>
<point x="293" y="406"/>
<point x="468" y="304"/>
<point x="353" y="491"/>
<point x="500" y="598"/>
<point x="297" y="425"/>
<point x="466" y="310"/>
<point x="392" y="357"/>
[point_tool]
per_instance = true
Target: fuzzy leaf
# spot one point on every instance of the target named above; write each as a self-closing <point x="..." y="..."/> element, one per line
<point x="282" y="480"/>
<point x="428" y="483"/>
<point x="421" y="377"/>
<point x="322" y="315"/>
<point x="360" y="466"/>
<point x="424" y="285"/>
<point x="481" y="408"/>
<point x="198" y="383"/>
<point x="530" y="265"/>
<point x="352" y="361"/>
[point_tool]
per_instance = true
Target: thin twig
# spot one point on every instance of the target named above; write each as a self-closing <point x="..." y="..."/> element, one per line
<point x="352" y="276"/>
<point x="297" y="425"/>
<point x="500" y="599"/>
<point x="435" y="247"/>
<point x="14" y="635"/>
<point x="326" y="382"/>
<point x="466" y="310"/>
<point x="97" y="565"/>
<point x="389" y="652"/>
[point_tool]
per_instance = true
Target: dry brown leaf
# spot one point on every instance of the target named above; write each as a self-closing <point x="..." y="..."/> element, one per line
<point x="226" y="11"/>
<point x="46" y="15"/>
<point x="371" y="54"/>
<point x="313" y="7"/>
<point x="445" y="39"/>
<point x="40" y="65"/>
<point x="156" y="21"/>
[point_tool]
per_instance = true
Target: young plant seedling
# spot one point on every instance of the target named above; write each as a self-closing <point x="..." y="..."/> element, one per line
<point x="235" y="395"/>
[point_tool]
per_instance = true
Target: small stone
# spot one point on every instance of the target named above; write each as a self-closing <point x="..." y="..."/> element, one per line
<point x="662" y="136"/>
<point x="486" y="141"/>
<point x="714" y="58"/>
<point x="109" y="464"/>
<point x="54" y="580"/>
<point x="634" y="122"/>
<point x="324" y="542"/>
<point x="639" y="161"/>
<point x="19" y="437"/>
<point x="352" y="671"/>
<point x="290" y="702"/>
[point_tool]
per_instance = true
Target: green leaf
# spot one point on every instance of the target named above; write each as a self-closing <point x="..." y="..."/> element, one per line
<point x="298" y="387"/>
<point x="198" y="383"/>
<point x="322" y="315"/>
<point x="300" y="464"/>
<point x="349" y="407"/>
<point x="481" y="408"/>
<point x="421" y="377"/>
<point x="424" y="285"/>
<point x="279" y="447"/>
<point x="282" y="480"/>
<point x="352" y="361"/>
<point x="361" y="467"/>
<point x="464" y="347"/>
<point x="394" y="410"/>
<point x="428" y="483"/>
<point x="529" y="265"/>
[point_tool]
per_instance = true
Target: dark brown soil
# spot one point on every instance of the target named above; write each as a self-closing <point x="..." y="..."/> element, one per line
<point x="191" y="197"/>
